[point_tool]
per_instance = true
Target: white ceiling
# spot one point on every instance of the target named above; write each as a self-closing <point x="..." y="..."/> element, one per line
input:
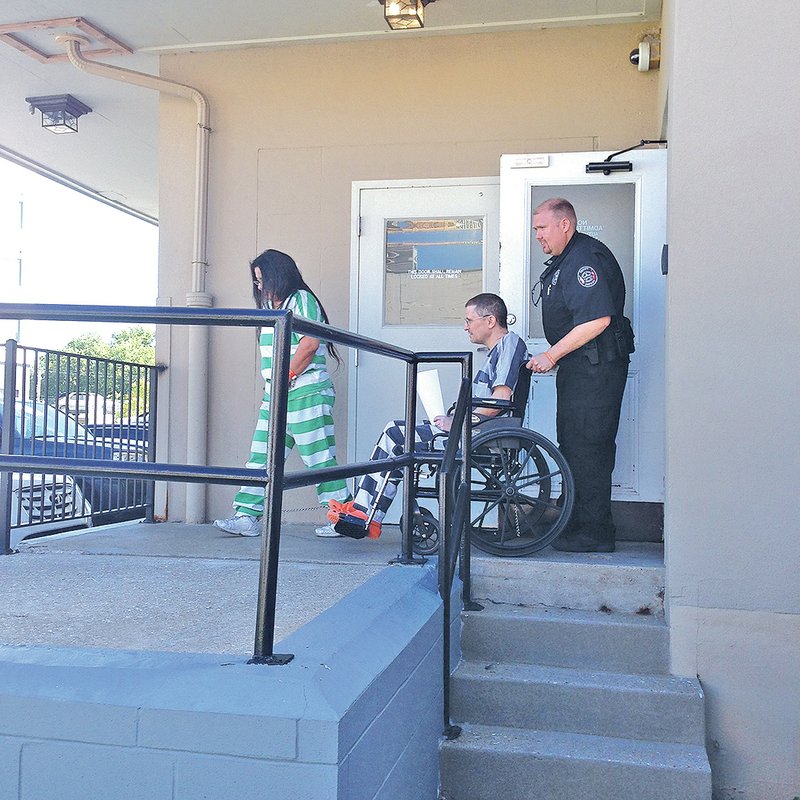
<point x="115" y="152"/>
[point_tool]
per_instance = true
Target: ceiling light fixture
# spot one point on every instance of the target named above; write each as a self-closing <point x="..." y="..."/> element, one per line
<point x="60" y="112"/>
<point x="404" y="14"/>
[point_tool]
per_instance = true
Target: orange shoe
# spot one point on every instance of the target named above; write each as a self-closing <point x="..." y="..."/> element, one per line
<point x="351" y="521"/>
<point x="335" y="508"/>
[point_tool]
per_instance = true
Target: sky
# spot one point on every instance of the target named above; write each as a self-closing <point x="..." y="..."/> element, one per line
<point x="69" y="248"/>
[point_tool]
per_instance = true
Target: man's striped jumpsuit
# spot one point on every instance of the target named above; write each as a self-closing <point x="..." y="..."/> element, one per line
<point x="501" y="368"/>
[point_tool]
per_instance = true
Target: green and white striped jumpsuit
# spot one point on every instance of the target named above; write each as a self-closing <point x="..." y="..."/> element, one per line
<point x="309" y="421"/>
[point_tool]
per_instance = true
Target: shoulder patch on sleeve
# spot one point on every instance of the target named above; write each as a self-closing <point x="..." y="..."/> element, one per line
<point x="587" y="277"/>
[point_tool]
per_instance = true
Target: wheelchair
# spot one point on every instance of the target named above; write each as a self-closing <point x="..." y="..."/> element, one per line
<point x="521" y="490"/>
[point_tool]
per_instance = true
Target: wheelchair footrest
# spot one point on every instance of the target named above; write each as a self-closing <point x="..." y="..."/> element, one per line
<point x="353" y="526"/>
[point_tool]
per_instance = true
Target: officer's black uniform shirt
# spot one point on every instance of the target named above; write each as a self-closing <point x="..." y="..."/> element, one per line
<point x="583" y="283"/>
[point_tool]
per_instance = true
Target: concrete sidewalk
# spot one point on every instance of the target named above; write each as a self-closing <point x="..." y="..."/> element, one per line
<point x="173" y="587"/>
<point x="193" y="588"/>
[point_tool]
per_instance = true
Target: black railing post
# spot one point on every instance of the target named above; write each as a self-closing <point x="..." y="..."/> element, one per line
<point x="465" y="562"/>
<point x="152" y="407"/>
<point x="407" y="555"/>
<point x="446" y="543"/>
<point x="445" y="582"/>
<point x="7" y="442"/>
<point x="273" y="496"/>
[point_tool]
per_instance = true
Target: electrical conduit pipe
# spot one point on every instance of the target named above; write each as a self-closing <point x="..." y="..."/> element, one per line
<point x="197" y="386"/>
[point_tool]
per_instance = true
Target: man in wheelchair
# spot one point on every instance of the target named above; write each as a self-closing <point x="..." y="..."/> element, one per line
<point x="486" y="323"/>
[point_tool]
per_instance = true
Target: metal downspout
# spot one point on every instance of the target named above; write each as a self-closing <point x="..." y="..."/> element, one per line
<point x="197" y="386"/>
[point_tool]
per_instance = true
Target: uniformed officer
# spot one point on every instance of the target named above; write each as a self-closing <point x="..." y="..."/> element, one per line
<point x="583" y="296"/>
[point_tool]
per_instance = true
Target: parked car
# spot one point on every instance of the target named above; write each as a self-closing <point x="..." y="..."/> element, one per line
<point x="44" y="504"/>
<point x="86" y="407"/>
<point x="41" y="429"/>
<point x="128" y="436"/>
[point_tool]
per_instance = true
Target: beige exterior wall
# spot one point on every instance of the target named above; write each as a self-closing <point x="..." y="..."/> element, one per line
<point x="732" y="384"/>
<point x="295" y="126"/>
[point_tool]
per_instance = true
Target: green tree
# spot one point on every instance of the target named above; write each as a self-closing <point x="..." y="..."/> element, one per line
<point x="89" y="365"/>
<point x="135" y="344"/>
<point x="89" y="344"/>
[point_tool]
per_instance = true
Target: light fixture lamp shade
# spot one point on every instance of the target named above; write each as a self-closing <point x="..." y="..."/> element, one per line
<point x="403" y="14"/>
<point x="60" y="112"/>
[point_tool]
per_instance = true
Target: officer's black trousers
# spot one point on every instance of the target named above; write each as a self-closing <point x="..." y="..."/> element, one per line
<point x="589" y="398"/>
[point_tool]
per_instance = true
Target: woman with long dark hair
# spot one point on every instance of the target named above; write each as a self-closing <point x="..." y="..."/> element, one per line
<point x="278" y="284"/>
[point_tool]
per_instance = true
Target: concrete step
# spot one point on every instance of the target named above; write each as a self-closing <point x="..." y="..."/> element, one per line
<point x="489" y="763"/>
<point x="658" y="708"/>
<point x="630" y="580"/>
<point x="555" y="637"/>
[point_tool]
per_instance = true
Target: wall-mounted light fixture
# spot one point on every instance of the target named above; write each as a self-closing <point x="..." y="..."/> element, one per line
<point x="60" y="112"/>
<point x="404" y="14"/>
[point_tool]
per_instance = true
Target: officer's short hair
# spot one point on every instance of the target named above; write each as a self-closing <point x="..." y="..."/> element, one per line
<point x="488" y="303"/>
<point x="560" y="207"/>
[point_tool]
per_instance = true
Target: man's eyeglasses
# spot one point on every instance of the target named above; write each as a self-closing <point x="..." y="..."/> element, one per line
<point x="469" y="321"/>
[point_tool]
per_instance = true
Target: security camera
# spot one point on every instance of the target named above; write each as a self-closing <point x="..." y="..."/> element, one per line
<point x="640" y="57"/>
<point x="647" y="55"/>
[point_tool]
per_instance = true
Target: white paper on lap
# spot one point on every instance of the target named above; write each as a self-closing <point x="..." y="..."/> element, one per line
<point x="429" y="390"/>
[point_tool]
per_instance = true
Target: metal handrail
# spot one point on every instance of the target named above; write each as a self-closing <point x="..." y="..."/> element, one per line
<point x="218" y="317"/>
<point x="459" y="414"/>
<point x="450" y="467"/>
<point x="452" y="527"/>
<point x="273" y="477"/>
<point x="186" y="473"/>
<point x="6" y="444"/>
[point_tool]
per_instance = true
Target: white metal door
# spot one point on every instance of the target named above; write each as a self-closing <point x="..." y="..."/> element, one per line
<point x="420" y="251"/>
<point x="627" y="211"/>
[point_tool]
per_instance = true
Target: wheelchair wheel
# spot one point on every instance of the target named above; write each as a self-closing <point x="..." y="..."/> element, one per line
<point x="521" y="492"/>
<point x="425" y="533"/>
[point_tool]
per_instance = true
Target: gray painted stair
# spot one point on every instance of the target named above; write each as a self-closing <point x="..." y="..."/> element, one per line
<point x="630" y="580"/>
<point x="495" y="763"/>
<point x="561" y="699"/>
<point x="659" y="708"/>
<point x="580" y="639"/>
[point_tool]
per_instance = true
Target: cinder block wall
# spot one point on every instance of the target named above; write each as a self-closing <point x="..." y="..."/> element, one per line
<point x="356" y="714"/>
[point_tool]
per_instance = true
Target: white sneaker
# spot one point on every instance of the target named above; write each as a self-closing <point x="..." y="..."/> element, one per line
<point x="240" y="525"/>
<point x="327" y="532"/>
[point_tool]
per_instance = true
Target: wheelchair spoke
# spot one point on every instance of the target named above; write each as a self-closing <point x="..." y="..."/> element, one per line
<point x="507" y="459"/>
<point x="511" y="463"/>
<point x="521" y="492"/>
<point x="491" y="478"/>
<point x="490" y="506"/>
<point x="544" y="504"/>
<point x="531" y="480"/>
<point x="528" y="456"/>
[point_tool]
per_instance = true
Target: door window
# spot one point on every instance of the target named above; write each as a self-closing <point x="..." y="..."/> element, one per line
<point x="605" y="211"/>
<point x="431" y="266"/>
